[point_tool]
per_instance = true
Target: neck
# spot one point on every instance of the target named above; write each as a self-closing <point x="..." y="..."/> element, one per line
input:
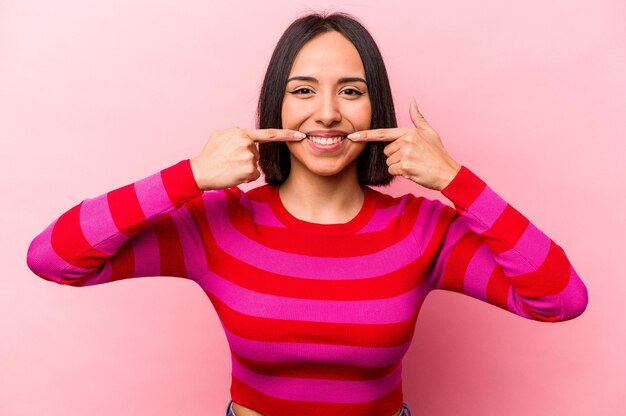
<point x="322" y="199"/>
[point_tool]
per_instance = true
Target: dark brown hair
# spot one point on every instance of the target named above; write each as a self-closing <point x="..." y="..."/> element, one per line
<point x="274" y="158"/>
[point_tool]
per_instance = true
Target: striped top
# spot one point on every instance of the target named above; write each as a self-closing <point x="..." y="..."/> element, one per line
<point x="318" y="316"/>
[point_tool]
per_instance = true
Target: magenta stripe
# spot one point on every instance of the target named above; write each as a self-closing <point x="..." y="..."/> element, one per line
<point x="382" y="217"/>
<point x="530" y="251"/>
<point x="515" y="302"/>
<point x="575" y="296"/>
<point x="41" y="248"/>
<point x="261" y="212"/>
<point x="216" y="212"/>
<point x="97" y="224"/>
<point x="487" y="207"/>
<point x="457" y="228"/>
<point x="376" y="311"/>
<point x="191" y="242"/>
<point x="318" y="390"/>
<point x="426" y="222"/>
<point x="152" y="195"/>
<point x="309" y="352"/>
<point x="478" y="273"/>
<point x="324" y="268"/>
<point x="146" y="253"/>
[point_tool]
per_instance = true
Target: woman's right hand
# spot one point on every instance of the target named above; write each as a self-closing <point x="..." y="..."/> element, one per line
<point x="230" y="156"/>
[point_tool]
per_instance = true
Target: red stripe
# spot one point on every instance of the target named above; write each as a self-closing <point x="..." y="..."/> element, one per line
<point x="506" y="230"/>
<point x="179" y="182"/>
<point x="171" y="256"/>
<point x="328" y="371"/>
<point x="123" y="263"/>
<point x="291" y="241"/>
<point x="498" y="288"/>
<point x="464" y="188"/>
<point x="385" y="286"/>
<point x="69" y="242"/>
<point x="247" y="396"/>
<point x="549" y="279"/>
<point x="282" y="330"/>
<point x="458" y="260"/>
<point x="125" y="208"/>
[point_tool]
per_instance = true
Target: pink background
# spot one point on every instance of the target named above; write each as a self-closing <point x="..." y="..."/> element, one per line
<point x="94" y="95"/>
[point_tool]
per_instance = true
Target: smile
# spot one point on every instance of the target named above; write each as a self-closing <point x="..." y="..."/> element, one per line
<point x="326" y="141"/>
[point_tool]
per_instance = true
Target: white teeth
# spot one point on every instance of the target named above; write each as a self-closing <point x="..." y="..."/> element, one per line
<point x="326" y="140"/>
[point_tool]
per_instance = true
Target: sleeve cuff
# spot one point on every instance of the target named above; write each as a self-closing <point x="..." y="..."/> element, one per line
<point x="180" y="183"/>
<point x="464" y="188"/>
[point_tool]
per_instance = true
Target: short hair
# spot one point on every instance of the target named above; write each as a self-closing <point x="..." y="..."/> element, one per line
<point x="274" y="157"/>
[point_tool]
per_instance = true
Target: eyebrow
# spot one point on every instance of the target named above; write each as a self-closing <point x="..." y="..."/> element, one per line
<point x="341" y="80"/>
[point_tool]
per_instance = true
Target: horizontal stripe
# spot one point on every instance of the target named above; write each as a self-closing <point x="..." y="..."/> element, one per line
<point x="382" y="217"/>
<point x="387" y="404"/>
<point x="98" y="226"/>
<point x="329" y="391"/>
<point x="487" y="208"/>
<point x="478" y="272"/>
<point x="192" y="248"/>
<point x="318" y="369"/>
<point x="378" y="311"/>
<point x="152" y="196"/>
<point x="261" y="212"/>
<point x="274" y="261"/>
<point x="278" y="351"/>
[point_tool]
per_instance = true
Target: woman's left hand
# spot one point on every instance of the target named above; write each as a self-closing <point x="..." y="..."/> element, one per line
<point x="414" y="152"/>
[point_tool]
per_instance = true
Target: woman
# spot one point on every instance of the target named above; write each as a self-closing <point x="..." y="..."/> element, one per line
<point x="316" y="277"/>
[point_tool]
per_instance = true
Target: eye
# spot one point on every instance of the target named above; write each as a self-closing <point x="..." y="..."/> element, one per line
<point x="301" y="91"/>
<point x="353" y="92"/>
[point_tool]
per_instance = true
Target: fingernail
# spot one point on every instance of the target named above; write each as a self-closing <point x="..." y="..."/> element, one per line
<point x="299" y="135"/>
<point x="355" y="135"/>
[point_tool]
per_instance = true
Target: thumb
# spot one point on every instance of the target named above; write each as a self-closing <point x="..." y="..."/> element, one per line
<point x="416" y="116"/>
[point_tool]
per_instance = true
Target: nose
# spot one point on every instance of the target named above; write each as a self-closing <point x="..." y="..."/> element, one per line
<point x="327" y="111"/>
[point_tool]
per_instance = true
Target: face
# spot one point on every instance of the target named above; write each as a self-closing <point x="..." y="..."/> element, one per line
<point x="326" y="97"/>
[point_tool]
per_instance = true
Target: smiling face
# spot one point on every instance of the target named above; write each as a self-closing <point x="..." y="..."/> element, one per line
<point x="327" y="98"/>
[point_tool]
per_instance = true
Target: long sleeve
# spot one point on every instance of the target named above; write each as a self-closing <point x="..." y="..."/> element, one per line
<point x="146" y="228"/>
<point x="485" y="248"/>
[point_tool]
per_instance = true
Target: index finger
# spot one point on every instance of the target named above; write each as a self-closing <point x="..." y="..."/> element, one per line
<point x="274" y="135"/>
<point x="381" y="135"/>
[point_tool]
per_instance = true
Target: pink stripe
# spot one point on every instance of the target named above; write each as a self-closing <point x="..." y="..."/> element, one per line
<point x="193" y="250"/>
<point x="146" y="253"/>
<point x="318" y="390"/>
<point x="478" y="273"/>
<point x="515" y="304"/>
<point x="426" y="222"/>
<point x="97" y="224"/>
<point x="308" y="352"/>
<point x="530" y="251"/>
<point x="486" y="208"/>
<point x="216" y="212"/>
<point x="261" y="212"/>
<point x="457" y="228"/>
<point x="152" y="195"/>
<point x="323" y="268"/>
<point x="568" y="304"/>
<point x="379" y="311"/>
<point x="41" y="248"/>
<point x="382" y="217"/>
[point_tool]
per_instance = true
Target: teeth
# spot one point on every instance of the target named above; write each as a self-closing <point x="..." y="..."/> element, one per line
<point x="326" y="140"/>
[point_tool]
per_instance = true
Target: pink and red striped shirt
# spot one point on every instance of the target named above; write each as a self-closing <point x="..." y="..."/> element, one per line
<point x="318" y="316"/>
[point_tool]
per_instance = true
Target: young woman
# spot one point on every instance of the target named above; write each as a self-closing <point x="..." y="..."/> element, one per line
<point x="317" y="278"/>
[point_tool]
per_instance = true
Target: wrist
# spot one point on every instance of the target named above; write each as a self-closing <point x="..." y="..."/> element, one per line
<point x="450" y="174"/>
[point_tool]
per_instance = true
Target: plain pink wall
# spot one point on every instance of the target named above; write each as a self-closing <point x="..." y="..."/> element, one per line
<point x="94" y="95"/>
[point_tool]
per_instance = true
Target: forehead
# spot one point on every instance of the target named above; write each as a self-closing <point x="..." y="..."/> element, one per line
<point x="328" y="55"/>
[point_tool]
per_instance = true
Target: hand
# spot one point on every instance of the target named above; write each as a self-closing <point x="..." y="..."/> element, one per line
<point x="414" y="153"/>
<point x="230" y="156"/>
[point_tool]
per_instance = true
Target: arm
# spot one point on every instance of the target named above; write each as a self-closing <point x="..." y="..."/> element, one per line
<point x="146" y="228"/>
<point x="487" y="249"/>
